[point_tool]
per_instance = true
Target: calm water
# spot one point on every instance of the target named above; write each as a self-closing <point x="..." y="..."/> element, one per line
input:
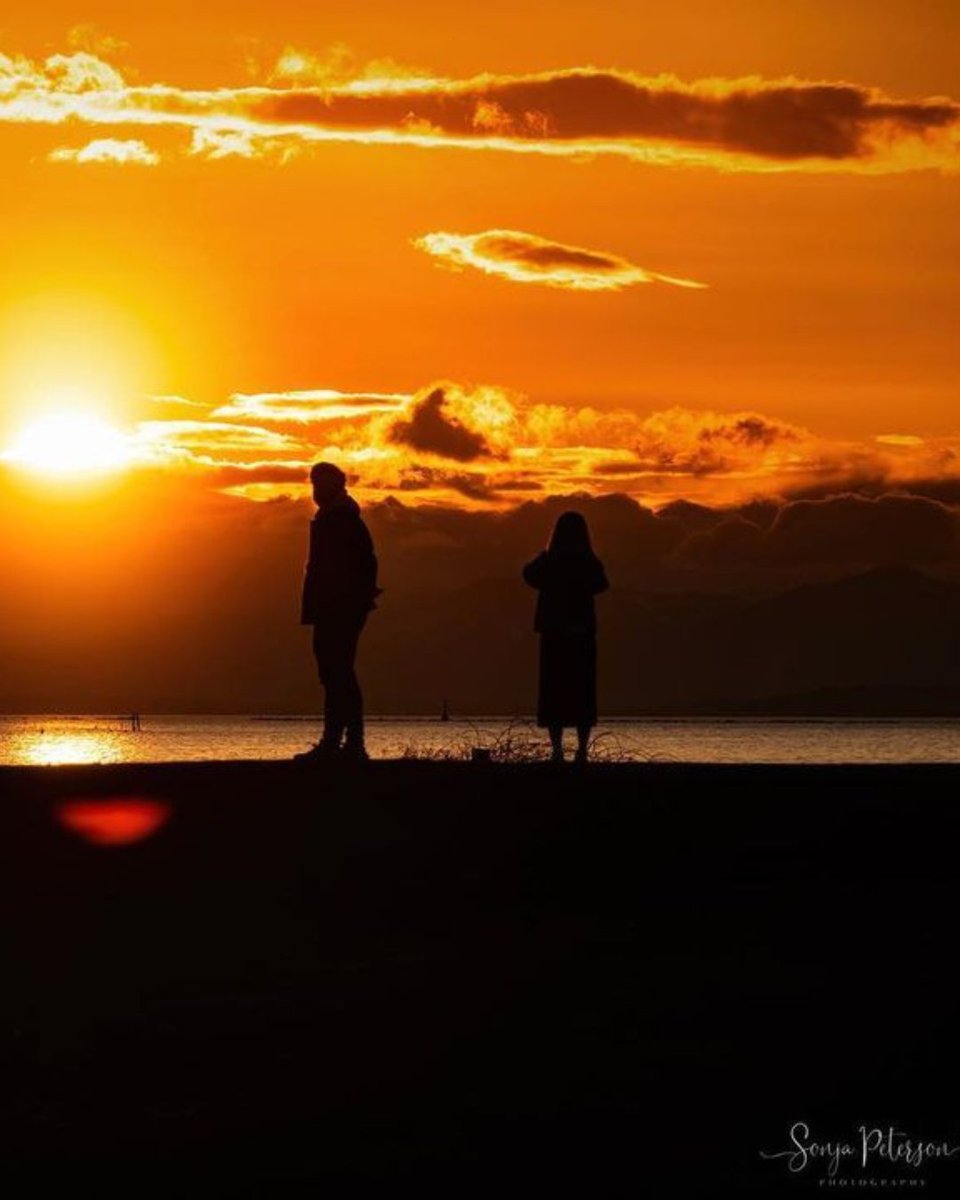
<point x="58" y="739"/>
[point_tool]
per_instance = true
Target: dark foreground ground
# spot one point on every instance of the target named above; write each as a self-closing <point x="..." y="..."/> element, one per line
<point x="465" y="980"/>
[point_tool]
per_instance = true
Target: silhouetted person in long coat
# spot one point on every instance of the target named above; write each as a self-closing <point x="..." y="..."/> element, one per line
<point x="339" y="591"/>
<point x="567" y="575"/>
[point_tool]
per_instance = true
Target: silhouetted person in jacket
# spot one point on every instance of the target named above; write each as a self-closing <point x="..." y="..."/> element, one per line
<point x="339" y="591"/>
<point x="567" y="575"/>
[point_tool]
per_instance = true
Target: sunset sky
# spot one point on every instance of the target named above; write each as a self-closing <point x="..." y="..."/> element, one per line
<point x="493" y="263"/>
<point x="676" y="250"/>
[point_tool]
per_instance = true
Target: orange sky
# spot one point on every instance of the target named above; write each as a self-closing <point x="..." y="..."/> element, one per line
<point x="524" y="241"/>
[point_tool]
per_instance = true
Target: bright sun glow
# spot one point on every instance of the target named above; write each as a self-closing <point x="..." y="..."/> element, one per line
<point x="70" y="444"/>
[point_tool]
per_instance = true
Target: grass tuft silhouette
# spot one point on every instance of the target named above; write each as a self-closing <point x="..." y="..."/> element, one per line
<point x="523" y="741"/>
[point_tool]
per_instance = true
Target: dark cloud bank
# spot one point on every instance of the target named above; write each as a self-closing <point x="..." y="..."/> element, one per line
<point x="848" y="603"/>
<point x="432" y="429"/>
<point x="787" y="120"/>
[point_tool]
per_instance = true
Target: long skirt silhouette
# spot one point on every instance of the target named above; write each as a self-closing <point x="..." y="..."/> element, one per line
<point x="568" y="679"/>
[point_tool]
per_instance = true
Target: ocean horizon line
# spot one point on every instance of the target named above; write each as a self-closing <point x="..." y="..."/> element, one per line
<point x="503" y="718"/>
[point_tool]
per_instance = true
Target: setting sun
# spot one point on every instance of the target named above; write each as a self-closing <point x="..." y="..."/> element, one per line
<point x="70" y="444"/>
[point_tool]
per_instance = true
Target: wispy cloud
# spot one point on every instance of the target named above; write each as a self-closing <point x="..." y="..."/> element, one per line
<point x="107" y="150"/>
<point x="303" y="407"/>
<point x="899" y="439"/>
<point x="335" y="66"/>
<point x="238" y="476"/>
<point x="176" y="400"/>
<point x="212" y="435"/>
<point x="90" y="39"/>
<point x="746" y="124"/>
<point x="527" y="258"/>
<point x="216" y="144"/>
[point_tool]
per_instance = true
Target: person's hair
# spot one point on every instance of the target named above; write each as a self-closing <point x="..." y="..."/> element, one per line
<point x="330" y="470"/>
<point x="570" y="535"/>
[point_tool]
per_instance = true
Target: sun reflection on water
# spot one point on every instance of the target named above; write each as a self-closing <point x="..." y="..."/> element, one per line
<point x="56" y="749"/>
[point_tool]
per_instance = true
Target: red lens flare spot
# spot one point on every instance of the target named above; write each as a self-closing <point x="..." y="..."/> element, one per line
<point x="113" y="821"/>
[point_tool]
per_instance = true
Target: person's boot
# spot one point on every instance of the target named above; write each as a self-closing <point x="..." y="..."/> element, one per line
<point x="354" y="749"/>
<point x="327" y="749"/>
<point x="354" y="752"/>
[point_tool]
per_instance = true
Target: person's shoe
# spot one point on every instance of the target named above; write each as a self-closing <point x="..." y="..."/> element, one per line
<point x="321" y="752"/>
<point x="580" y="757"/>
<point x="354" y="752"/>
<point x="556" y="756"/>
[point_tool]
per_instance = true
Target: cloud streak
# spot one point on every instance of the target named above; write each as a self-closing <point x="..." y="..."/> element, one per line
<point x="210" y="435"/>
<point x="746" y="124"/>
<point x="528" y="258"/>
<point x="107" y="150"/>
<point x="304" y="407"/>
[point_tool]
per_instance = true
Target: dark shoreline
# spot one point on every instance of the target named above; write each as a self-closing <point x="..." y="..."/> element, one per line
<point x="455" y="978"/>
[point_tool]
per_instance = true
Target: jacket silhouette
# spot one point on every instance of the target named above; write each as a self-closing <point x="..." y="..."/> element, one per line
<point x="567" y="584"/>
<point x="341" y="572"/>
